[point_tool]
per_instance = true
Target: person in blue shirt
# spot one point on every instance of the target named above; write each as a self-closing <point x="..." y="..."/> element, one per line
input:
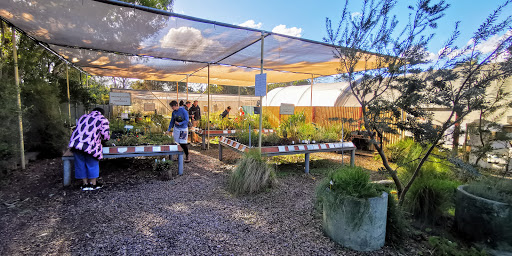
<point x="179" y="121"/>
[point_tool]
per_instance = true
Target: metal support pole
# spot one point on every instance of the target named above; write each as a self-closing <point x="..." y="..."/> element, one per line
<point x="208" y="122"/>
<point x="177" y="93"/>
<point x="239" y="102"/>
<point x="343" y="151"/>
<point x="261" y="97"/>
<point x="69" y="98"/>
<point x="353" y="158"/>
<point x="307" y="163"/>
<point x="180" y="164"/>
<point x="220" y="151"/>
<point x="311" y="101"/>
<point x="187" y="87"/>
<point x="18" y="91"/>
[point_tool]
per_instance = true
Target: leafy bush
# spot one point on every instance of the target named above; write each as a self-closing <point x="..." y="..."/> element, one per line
<point x="306" y="131"/>
<point x="164" y="170"/>
<point x="445" y="247"/>
<point x="395" y="151"/>
<point x="430" y="199"/>
<point x="492" y="188"/>
<point x="251" y="175"/>
<point x="396" y="225"/>
<point x="433" y="192"/>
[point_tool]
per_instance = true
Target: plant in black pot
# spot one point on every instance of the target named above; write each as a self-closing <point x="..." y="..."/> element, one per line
<point x="354" y="209"/>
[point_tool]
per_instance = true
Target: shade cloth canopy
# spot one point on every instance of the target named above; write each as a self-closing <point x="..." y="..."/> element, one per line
<point x="113" y="38"/>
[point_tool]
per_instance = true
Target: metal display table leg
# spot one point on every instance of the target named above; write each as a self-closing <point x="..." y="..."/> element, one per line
<point x="307" y="163"/>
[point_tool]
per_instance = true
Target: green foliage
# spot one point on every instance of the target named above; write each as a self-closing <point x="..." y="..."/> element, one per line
<point x="394" y="152"/>
<point x="289" y="126"/>
<point x="396" y="225"/>
<point x="164" y="169"/>
<point x="47" y="133"/>
<point x="306" y="132"/>
<point x="132" y="139"/>
<point x="445" y="247"/>
<point x="431" y="199"/>
<point x="251" y="175"/>
<point x="432" y="194"/>
<point x="492" y="188"/>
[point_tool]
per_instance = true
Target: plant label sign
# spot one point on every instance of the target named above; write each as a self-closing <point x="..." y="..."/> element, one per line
<point x="260" y="85"/>
<point x="120" y="99"/>
<point x="149" y="106"/>
<point x="286" y="109"/>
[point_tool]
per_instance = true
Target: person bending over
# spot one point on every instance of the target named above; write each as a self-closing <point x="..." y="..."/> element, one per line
<point x="226" y="112"/>
<point x="85" y="143"/>
<point x="179" y="121"/>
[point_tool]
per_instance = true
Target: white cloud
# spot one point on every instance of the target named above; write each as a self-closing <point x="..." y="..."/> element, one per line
<point x="355" y="15"/>
<point x="293" y="31"/>
<point x="491" y="43"/>
<point x="186" y="41"/>
<point x="251" y="24"/>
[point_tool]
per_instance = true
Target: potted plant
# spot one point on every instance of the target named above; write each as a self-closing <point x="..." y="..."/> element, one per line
<point x="483" y="211"/>
<point x="354" y="209"/>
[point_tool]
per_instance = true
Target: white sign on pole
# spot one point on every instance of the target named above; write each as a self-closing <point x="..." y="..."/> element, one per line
<point x="120" y="98"/>
<point x="286" y="109"/>
<point x="260" y="85"/>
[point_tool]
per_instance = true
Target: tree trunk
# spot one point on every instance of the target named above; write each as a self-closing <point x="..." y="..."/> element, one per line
<point x="456" y="135"/>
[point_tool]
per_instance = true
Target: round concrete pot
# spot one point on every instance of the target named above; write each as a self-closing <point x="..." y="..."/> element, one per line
<point x="483" y="220"/>
<point x="359" y="224"/>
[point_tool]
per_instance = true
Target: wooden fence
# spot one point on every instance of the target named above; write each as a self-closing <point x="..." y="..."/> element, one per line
<point x="325" y="116"/>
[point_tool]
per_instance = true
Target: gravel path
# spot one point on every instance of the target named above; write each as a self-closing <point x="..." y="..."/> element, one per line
<point x="190" y="215"/>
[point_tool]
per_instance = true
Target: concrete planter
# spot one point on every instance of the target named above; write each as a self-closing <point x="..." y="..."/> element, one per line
<point x="359" y="224"/>
<point x="484" y="220"/>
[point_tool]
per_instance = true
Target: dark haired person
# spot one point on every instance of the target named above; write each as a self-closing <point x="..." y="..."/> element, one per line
<point x="86" y="145"/>
<point x="195" y="114"/>
<point x="179" y="121"/>
<point x="226" y="112"/>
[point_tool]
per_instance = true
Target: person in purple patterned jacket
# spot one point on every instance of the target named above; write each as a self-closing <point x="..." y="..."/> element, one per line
<point x="86" y="145"/>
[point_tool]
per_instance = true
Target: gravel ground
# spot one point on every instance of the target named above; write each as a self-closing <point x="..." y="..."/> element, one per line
<point x="138" y="214"/>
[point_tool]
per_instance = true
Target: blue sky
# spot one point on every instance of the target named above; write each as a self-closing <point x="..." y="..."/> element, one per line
<point x="308" y="17"/>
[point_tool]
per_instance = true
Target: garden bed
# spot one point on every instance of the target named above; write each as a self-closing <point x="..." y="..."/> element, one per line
<point x="277" y="150"/>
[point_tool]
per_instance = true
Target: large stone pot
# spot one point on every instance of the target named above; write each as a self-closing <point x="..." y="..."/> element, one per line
<point x="483" y="220"/>
<point x="359" y="224"/>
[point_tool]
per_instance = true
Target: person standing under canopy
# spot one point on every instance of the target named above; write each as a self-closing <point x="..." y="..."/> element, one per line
<point x="195" y="115"/>
<point x="179" y="121"/>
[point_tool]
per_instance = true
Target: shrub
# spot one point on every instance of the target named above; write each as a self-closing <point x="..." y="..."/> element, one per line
<point x="396" y="225"/>
<point x="429" y="199"/>
<point x="492" y="188"/>
<point x="243" y="137"/>
<point x="445" y="247"/>
<point x="164" y="170"/>
<point x="395" y="151"/>
<point x="433" y="192"/>
<point x="251" y="175"/>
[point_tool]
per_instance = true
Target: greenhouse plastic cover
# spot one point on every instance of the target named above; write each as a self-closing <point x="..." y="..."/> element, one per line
<point x="325" y="94"/>
<point x="112" y="38"/>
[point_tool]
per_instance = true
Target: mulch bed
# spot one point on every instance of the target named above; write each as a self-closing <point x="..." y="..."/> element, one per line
<point x="136" y="213"/>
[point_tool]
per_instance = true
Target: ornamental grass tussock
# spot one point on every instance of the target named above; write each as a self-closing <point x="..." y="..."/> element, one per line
<point x="252" y="174"/>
